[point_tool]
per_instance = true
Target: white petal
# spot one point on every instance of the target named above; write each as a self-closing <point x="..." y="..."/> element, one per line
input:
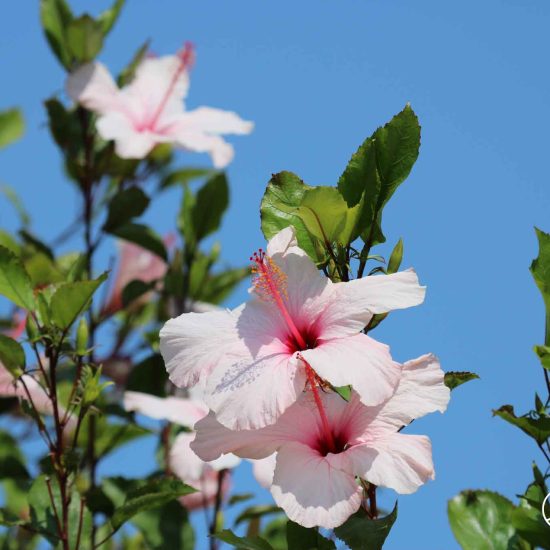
<point x="225" y="462"/>
<point x="311" y="491"/>
<point x="92" y="86"/>
<point x="194" y="343"/>
<point x="357" y="360"/>
<point x="264" y="469"/>
<point x="215" y="121"/>
<point x="183" y="461"/>
<point x="178" y="410"/>
<point x="221" y="152"/>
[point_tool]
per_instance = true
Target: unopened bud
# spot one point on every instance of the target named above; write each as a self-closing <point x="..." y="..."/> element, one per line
<point x="82" y="337"/>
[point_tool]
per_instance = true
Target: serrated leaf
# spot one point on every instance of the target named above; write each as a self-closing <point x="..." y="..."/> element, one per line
<point x="537" y="428"/>
<point x="481" y="520"/>
<point x="15" y="283"/>
<point x="125" y="205"/>
<point x="155" y="493"/>
<point x="12" y="355"/>
<point x="282" y="197"/>
<point x="12" y="126"/>
<point x="143" y="236"/>
<point x="243" y="543"/>
<point x="453" y="379"/>
<point x="360" y="532"/>
<point x="71" y="299"/>
<point x="302" y="538"/>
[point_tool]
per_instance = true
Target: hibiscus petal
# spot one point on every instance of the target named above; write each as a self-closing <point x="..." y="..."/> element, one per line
<point x="215" y="121"/>
<point x="194" y="343"/>
<point x="183" y="461"/>
<point x="421" y="391"/>
<point x="355" y="302"/>
<point x="220" y="151"/>
<point x="255" y="392"/>
<point x="179" y="410"/>
<point x="398" y="461"/>
<point x="357" y="360"/>
<point x="92" y="86"/>
<point x="264" y="469"/>
<point x="311" y="491"/>
<point x="212" y="440"/>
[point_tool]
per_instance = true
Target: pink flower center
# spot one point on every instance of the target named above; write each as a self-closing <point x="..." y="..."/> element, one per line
<point x="186" y="58"/>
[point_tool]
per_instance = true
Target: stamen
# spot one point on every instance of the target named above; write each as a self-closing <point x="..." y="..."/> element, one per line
<point x="312" y="381"/>
<point x="186" y="58"/>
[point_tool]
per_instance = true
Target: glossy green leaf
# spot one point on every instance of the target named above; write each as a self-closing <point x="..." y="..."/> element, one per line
<point x="143" y="236"/>
<point x="108" y="18"/>
<point x="12" y="355"/>
<point x="71" y="299"/>
<point x="153" y="494"/>
<point x="282" y="197"/>
<point x="481" y="520"/>
<point x="243" y="543"/>
<point x="84" y="38"/>
<point x="125" y="205"/>
<point x="530" y="526"/>
<point x="166" y="527"/>
<point x="12" y="126"/>
<point x="537" y="428"/>
<point x="56" y="16"/>
<point x="453" y="379"/>
<point x="327" y="217"/>
<point x="15" y="283"/>
<point x="360" y="532"/>
<point x="543" y="353"/>
<point x="378" y="167"/>
<point x="302" y="538"/>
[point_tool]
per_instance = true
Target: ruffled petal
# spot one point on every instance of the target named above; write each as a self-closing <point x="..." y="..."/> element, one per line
<point x="178" y="410"/>
<point x="398" y="461"/>
<point x="310" y="490"/>
<point x="92" y="86"/>
<point x="357" y="360"/>
<point x="354" y="303"/>
<point x="193" y="344"/>
<point x="421" y="390"/>
<point x="255" y="392"/>
<point x="263" y="470"/>
<point x="215" y="121"/>
<point x="220" y="151"/>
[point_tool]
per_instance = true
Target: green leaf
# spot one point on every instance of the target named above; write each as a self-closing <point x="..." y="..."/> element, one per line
<point x="540" y="267"/>
<point x="238" y="498"/>
<point x="109" y="17"/>
<point x="134" y="290"/>
<point x="149" y="376"/>
<point x="216" y="288"/>
<point x="127" y="74"/>
<point x="143" y="236"/>
<point x="362" y="533"/>
<point x="84" y="38"/>
<point x="71" y="299"/>
<point x="8" y="519"/>
<point x="243" y="543"/>
<point x="395" y="258"/>
<point x="12" y="460"/>
<point x="530" y="525"/>
<point x="64" y="126"/>
<point x="166" y="527"/>
<point x="544" y="355"/>
<point x="153" y="494"/>
<point x="211" y="201"/>
<point x="302" y="538"/>
<point x="327" y="217"/>
<point x="15" y="283"/>
<point x="257" y="511"/>
<point x="537" y="428"/>
<point x="184" y="176"/>
<point x="453" y="379"/>
<point x="378" y="167"/>
<point x="42" y="270"/>
<point x="12" y="355"/>
<point x="12" y="126"/>
<point x="282" y="197"/>
<point x="125" y="205"/>
<point x="55" y="16"/>
<point x="12" y="196"/>
<point x="481" y="520"/>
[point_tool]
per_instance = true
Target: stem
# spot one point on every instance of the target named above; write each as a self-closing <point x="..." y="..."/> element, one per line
<point x="217" y="510"/>
<point x="371" y="494"/>
<point x="366" y="249"/>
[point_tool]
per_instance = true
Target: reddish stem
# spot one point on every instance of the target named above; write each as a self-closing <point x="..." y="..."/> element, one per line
<point x="311" y="378"/>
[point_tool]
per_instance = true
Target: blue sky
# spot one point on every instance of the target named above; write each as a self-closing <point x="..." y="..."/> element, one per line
<point x="317" y="77"/>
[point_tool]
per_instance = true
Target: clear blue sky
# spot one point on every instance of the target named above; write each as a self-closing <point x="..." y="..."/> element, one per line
<point x="317" y="77"/>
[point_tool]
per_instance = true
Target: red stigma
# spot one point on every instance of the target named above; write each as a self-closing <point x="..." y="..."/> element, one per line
<point x="187" y="55"/>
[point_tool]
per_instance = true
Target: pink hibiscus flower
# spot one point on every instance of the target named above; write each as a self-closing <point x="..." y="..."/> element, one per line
<point x="150" y="110"/>
<point x="298" y="327"/>
<point x="320" y="456"/>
